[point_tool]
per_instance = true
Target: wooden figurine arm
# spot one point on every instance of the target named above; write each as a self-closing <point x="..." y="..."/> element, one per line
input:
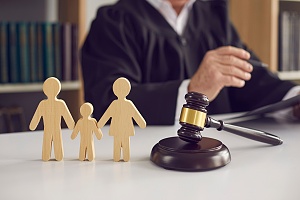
<point x="140" y="121"/>
<point x="139" y="118"/>
<point x="96" y="130"/>
<point x="68" y="117"/>
<point x="36" y="118"/>
<point x="75" y="131"/>
<point x="98" y="133"/>
<point x="105" y="117"/>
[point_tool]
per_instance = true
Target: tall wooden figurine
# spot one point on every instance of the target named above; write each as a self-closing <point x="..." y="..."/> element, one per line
<point x="86" y="126"/>
<point x="122" y="111"/>
<point x="52" y="109"/>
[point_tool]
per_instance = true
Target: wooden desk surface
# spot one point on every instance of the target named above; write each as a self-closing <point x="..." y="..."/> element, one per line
<point x="257" y="171"/>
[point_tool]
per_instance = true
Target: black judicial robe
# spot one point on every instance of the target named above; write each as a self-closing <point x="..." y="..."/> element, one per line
<point x="131" y="39"/>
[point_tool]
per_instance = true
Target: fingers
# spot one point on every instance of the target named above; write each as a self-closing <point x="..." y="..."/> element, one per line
<point x="234" y="71"/>
<point x="235" y="62"/>
<point x="231" y="81"/>
<point x="234" y="51"/>
<point x="225" y="66"/>
<point x="235" y="57"/>
<point x="228" y="76"/>
<point x="232" y="61"/>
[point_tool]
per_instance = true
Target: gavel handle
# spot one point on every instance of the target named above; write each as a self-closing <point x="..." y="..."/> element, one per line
<point x="253" y="134"/>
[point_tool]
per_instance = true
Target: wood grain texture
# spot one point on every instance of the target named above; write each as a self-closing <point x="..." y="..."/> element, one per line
<point x="86" y="126"/>
<point x="257" y="23"/>
<point x="52" y="110"/>
<point x="122" y="113"/>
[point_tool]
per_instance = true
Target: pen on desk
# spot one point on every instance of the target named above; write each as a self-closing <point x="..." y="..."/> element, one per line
<point x="257" y="63"/>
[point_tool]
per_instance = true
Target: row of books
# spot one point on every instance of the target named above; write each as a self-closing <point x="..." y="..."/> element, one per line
<point x="34" y="51"/>
<point x="289" y="41"/>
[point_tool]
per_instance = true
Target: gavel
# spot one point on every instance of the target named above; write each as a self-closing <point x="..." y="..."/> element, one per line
<point x="194" y="119"/>
<point x="192" y="152"/>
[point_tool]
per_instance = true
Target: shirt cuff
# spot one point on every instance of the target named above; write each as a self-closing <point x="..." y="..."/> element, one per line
<point x="182" y="90"/>
<point x="287" y="113"/>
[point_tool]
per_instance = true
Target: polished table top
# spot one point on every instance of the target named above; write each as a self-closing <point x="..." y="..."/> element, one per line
<point x="256" y="170"/>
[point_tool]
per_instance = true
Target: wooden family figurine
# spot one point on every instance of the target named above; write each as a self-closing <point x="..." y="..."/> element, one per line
<point x="51" y="110"/>
<point x="86" y="126"/>
<point x="121" y="112"/>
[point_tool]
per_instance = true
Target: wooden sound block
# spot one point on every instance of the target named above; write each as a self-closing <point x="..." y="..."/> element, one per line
<point x="176" y="154"/>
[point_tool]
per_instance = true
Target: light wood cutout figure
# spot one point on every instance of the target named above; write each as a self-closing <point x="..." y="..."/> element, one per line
<point x="86" y="126"/>
<point x="122" y="111"/>
<point x="52" y="109"/>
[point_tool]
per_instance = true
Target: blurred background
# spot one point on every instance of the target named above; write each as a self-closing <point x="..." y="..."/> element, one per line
<point x="42" y="38"/>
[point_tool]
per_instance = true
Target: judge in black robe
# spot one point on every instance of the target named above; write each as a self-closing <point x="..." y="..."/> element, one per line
<point x="131" y="39"/>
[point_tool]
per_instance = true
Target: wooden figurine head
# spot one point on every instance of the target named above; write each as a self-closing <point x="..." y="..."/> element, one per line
<point x="86" y="109"/>
<point x="121" y="88"/>
<point x="51" y="87"/>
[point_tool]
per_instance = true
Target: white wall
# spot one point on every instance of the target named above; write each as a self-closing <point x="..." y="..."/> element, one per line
<point x="92" y="7"/>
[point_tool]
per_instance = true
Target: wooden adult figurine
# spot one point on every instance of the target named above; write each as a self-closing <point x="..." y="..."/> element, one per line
<point x="86" y="126"/>
<point x="52" y="109"/>
<point x="122" y="111"/>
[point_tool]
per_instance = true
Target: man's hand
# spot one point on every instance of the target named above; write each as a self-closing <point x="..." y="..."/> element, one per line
<point x="225" y="66"/>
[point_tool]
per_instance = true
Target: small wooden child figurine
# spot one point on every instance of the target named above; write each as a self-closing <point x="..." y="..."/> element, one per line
<point x="122" y="111"/>
<point x="86" y="126"/>
<point x="52" y="109"/>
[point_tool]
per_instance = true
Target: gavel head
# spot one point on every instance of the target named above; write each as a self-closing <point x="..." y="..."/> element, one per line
<point x="193" y="117"/>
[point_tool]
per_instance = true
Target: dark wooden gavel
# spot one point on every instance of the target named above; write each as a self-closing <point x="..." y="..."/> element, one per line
<point x="194" y="119"/>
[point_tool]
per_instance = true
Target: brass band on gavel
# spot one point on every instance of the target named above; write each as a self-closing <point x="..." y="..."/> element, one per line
<point x="193" y="117"/>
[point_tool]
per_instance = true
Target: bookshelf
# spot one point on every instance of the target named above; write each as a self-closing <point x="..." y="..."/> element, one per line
<point x="28" y="95"/>
<point x="36" y="87"/>
<point x="257" y="22"/>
